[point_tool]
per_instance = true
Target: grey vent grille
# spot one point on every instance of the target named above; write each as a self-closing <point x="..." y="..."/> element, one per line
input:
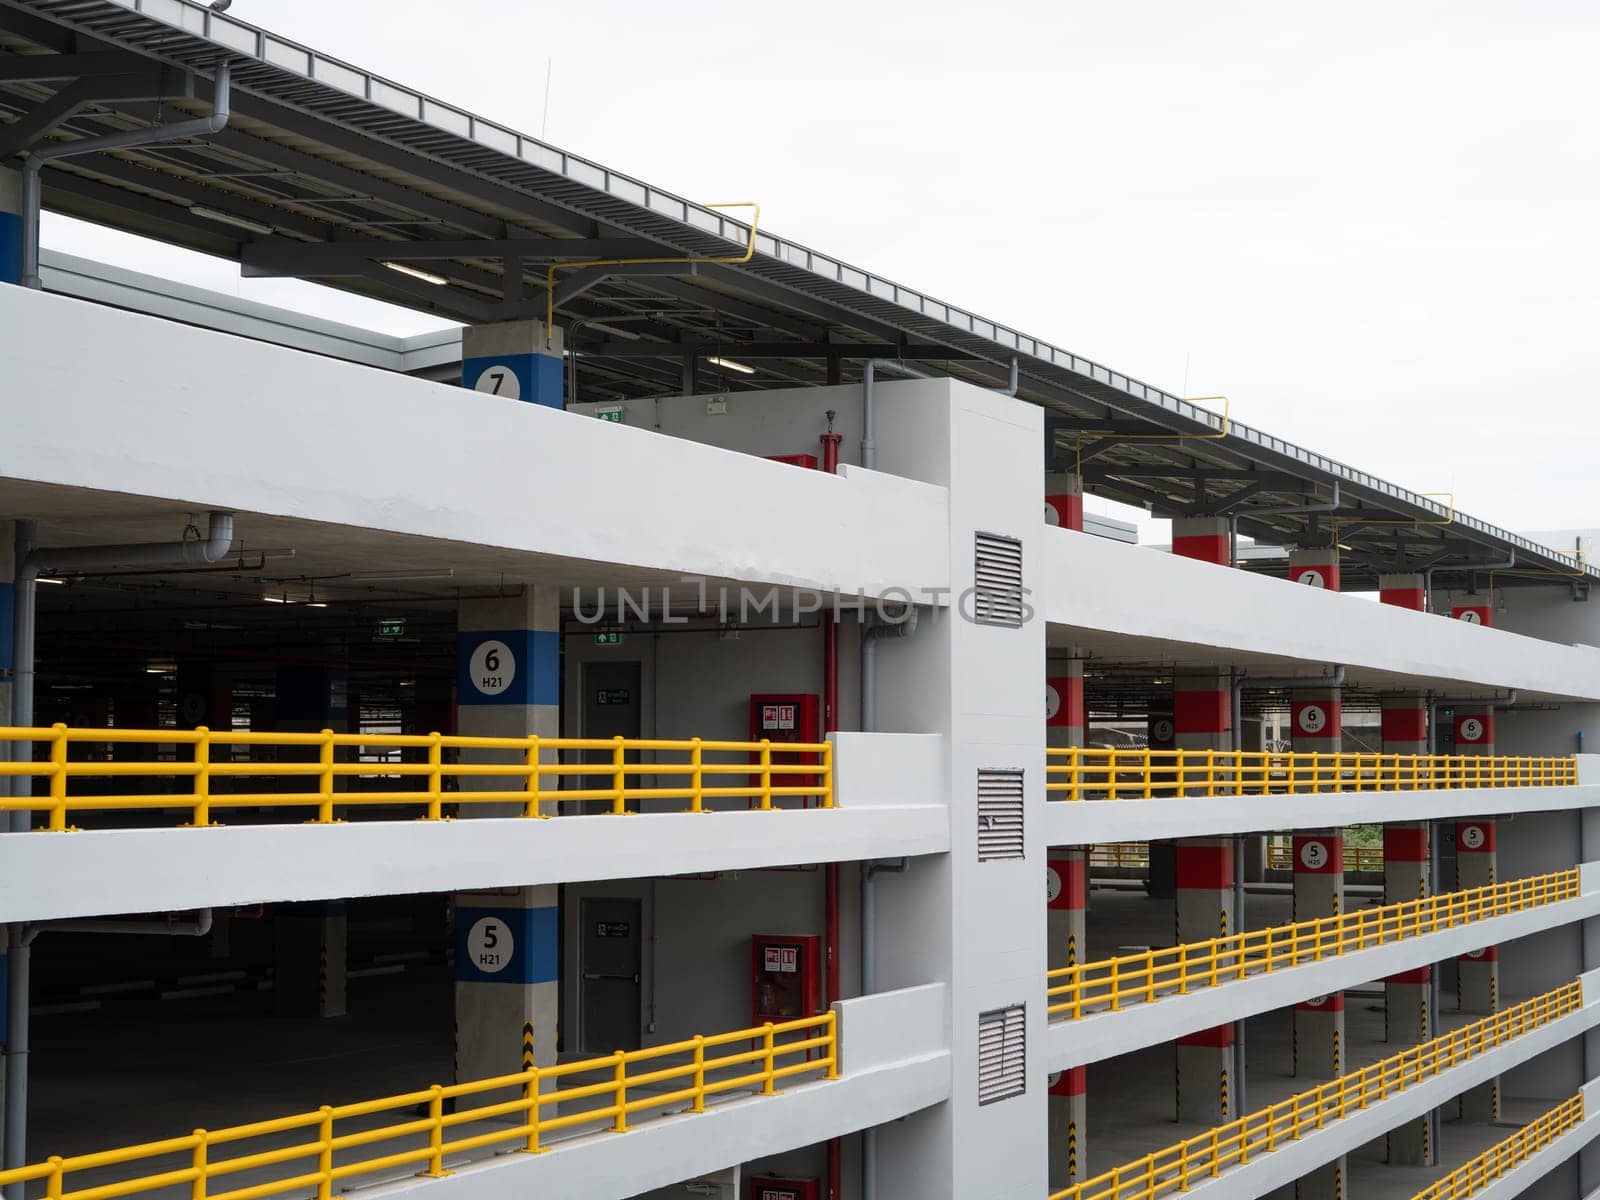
<point x="999" y="814"/>
<point x="997" y="594"/>
<point x="1002" y="1053"/>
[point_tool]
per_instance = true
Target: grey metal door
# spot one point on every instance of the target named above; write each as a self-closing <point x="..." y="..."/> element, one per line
<point x="611" y="699"/>
<point x="609" y="938"/>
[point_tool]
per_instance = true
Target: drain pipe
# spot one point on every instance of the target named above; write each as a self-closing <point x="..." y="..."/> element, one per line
<point x="200" y="127"/>
<point x="1427" y="576"/>
<point x="869" y="985"/>
<point x="870" y="636"/>
<point x="869" y="408"/>
<point x="1012" y="380"/>
<point x="31" y="563"/>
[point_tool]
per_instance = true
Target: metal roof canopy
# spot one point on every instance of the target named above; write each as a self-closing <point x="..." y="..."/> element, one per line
<point x="327" y="172"/>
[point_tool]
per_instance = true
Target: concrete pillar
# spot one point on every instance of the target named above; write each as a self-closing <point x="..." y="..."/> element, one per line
<point x="1475" y="608"/>
<point x="507" y="961"/>
<point x="1202" y="712"/>
<point x="1205" y="538"/>
<point x="1063" y="500"/>
<point x="1067" y="892"/>
<point x="205" y="696"/>
<point x="514" y="359"/>
<point x="309" y="941"/>
<point x="309" y="959"/>
<point x="1325" y="1183"/>
<point x="1407" y="996"/>
<point x="1316" y="726"/>
<point x="1319" y="892"/>
<point x="1478" y="971"/>
<point x="1315" y="566"/>
<point x="1403" y="591"/>
<point x="1161" y="734"/>
<point x="10" y="242"/>
<point x="1474" y="729"/>
<point x="1405" y="724"/>
<point x="1205" y="1084"/>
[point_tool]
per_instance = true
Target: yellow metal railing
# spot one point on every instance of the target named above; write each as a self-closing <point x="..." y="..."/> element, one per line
<point x="1120" y="855"/>
<point x="1081" y="773"/>
<point x="85" y="772"/>
<point x="1473" y="1176"/>
<point x="425" y="1127"/>
<point x="1208" y="1155"/>
<point x="1280" y="857"/>
<point x="1110" y="984"/>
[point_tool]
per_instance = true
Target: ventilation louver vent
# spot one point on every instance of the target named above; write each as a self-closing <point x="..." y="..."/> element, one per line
<point x="999" y="815"/>
<point x="1002" y="1053"/>
<point x="997" y="596"/>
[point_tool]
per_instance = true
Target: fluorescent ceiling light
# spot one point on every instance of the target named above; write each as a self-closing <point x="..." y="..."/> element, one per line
<point x="417" y="273"/>
<point x="728" y="364"/>
<point x="214" y="214"/>
<point x="445" y="573"/>
<point x="47" y="579"/>
<point x="273" y="599"/>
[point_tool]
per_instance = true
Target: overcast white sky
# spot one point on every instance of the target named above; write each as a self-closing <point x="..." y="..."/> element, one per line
<point x="1372" y="225"/>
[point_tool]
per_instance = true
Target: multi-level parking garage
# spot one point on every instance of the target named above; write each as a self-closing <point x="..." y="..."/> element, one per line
<point x="420" y="785"/>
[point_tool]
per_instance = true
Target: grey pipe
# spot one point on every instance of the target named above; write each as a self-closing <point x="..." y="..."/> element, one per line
<point x="1290" y="510"/>
<point x="1239" y="1105"/>
<point x="869" y="409"/>
<point x="870" y="635"/>
<point x="1435" y="867"/>
<point x="1012" y="381"/>
<point x="200" y="127"/>
<point x="31" y="563"/>
<point x="198" y="927"/>
<point x="1427" y="576"/>
<point x="869" y="985"/>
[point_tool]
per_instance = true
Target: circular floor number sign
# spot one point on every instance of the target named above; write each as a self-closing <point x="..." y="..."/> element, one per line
<point x="1162" y="730"/>
<point x="1052" y="884"/>
<point x="1314" y="856"/>
<point x="1472" y="837"/>
<point x="1313" y="718"/>
<point x="1471" y="729"/>
<point x="1313" y="578"/>
<point x="1052" y="702"/>
<point x="492" y="668"/>
<point x="491" y="945"/>
<point x="499" y="381"/>
<point x="1472" y="616"/>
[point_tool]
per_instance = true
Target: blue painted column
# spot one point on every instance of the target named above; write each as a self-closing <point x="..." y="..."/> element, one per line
<point x="514" y="359"/>
<point x="506" y="961"/>
<point x="10" y="236"/>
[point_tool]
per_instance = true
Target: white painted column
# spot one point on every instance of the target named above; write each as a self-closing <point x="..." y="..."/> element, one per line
<point x="506" y="957"/>
<point x="973" y="919"/>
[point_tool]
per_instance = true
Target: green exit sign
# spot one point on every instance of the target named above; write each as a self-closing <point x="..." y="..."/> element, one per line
<point x="393" y="627"/>
<point x="608" y="638"/>
<point x="609" y="414"/>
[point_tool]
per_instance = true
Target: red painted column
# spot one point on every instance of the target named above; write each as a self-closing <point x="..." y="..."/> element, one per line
<point x="1205" y="538"/>
<point x="1403" y="591"/>
<point x="1315" y="566"/>
<point x="1063" y="500"/>
<point x="1475" y="608"/>
<point x="1067" y="893"/>
<point x="1474" y="729"/>
<point x="1065" y="716"/>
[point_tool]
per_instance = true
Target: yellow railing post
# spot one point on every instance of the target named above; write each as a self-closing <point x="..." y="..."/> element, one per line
<point x="696" y="780"/>
<point x="766" y="773"/>
<point x="619" y="775"/>
<point x="202" y="777"/>
<point x="435" y="1133"/>
<point x="531" y="761"/>
<point x="619" y="1123"/>
<point x="197" y="1163"/>
<point x="53" y="1182"/>
<point x="768" y="1046"/>
<point x="435" y="776"/>
<point x="699" y="1104"/>
<point x="833" y="1043"/>
<point x="325" y="780"/>
<point x="58" y="777"/>
<point x="325" y="1154"/>
<point x="530" y="1097"/>
<point x="827" y="767"/>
